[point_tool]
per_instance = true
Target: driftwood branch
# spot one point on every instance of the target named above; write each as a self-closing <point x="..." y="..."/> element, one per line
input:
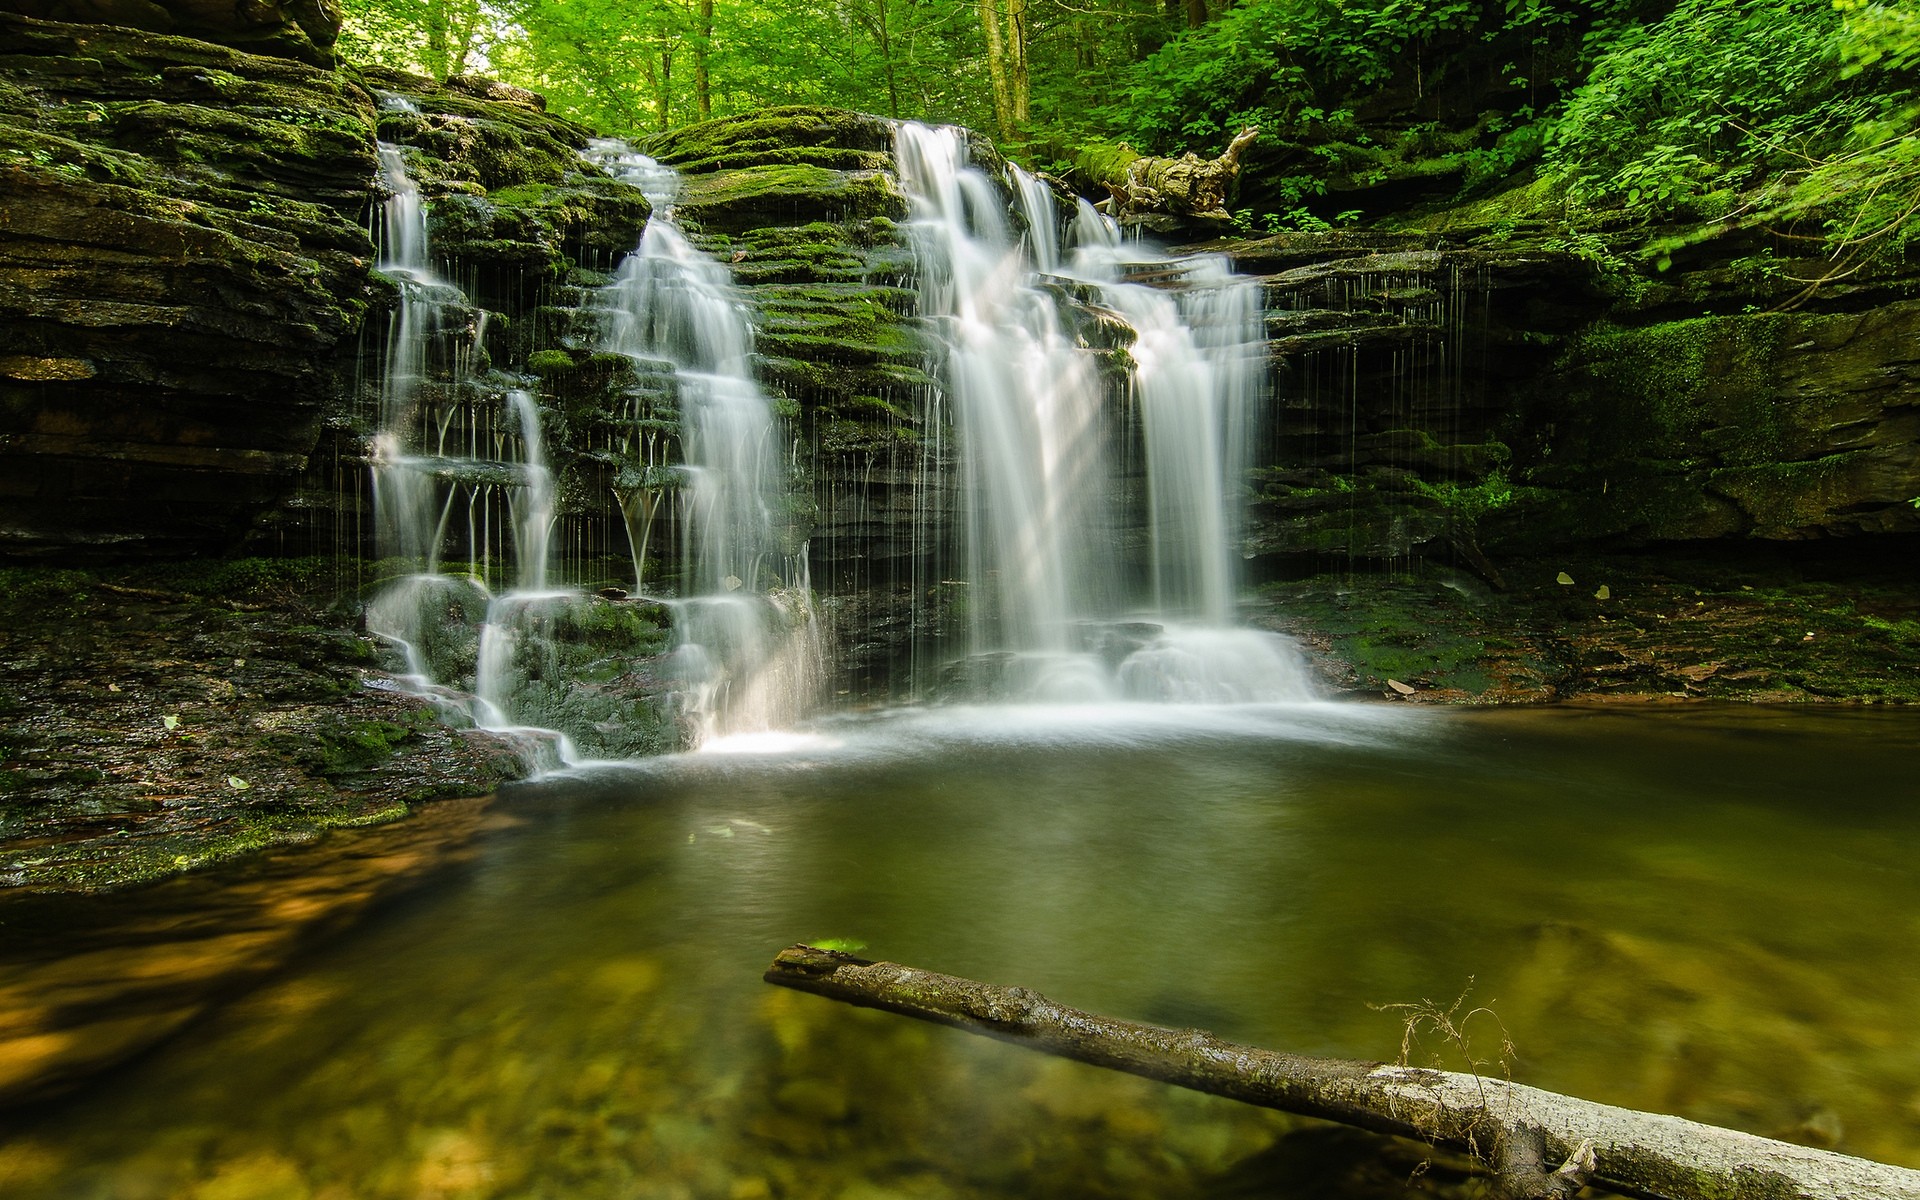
<point x="1539" y="1144"/>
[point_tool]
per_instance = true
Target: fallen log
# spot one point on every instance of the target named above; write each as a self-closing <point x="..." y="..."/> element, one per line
<point x="1143" y="185"/>
<point x="1520" y="1132"/>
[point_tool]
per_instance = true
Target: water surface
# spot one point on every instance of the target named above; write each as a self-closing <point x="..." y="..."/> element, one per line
<point x="1708" y="912"/>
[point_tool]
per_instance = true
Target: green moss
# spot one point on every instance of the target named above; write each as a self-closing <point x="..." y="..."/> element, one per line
<point x="549" y="364"/>
<point x="337" y="745"/>
<point x="1781" y="497"/>
<point x="784" y="135"/>
<point x="1469" y="502"/>
<point x="50" y="586"/>
<point x="1104" y="160"/>
<point x="757" y="196"/>
<point x="1676" y="380"/>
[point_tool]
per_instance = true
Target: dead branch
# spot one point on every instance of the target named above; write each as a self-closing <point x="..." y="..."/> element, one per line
<point x="1519" y="1132"/>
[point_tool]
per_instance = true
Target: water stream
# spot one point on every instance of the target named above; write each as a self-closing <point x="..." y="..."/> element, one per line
<point x="750" y="654"/>
<point x="453" y="449"/>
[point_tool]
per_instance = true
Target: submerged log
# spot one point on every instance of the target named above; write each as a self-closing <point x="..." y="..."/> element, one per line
<point x="1188" y="186"/>
<point x="1539" y="1144"/>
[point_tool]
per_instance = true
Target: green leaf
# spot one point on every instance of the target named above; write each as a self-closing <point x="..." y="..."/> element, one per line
<point x="843" y="945"/>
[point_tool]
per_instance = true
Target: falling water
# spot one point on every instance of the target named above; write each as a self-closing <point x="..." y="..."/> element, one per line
<point x="750" y="651"/>
<point x="534" y="518"/>
<point x="1048" y="606"/>
<point x="464" y="647"/>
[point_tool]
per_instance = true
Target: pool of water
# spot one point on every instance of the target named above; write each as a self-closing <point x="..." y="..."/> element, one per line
<point x="1701" y="911"/>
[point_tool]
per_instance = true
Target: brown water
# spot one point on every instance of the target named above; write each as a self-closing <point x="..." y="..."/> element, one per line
<point x="1708" y="912"/>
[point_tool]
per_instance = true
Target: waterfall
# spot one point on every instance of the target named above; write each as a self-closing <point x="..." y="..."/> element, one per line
<point x="750" y="655"/>
<point x="460" y="642"/>
<point x="1051" y="611"/>
<point x="460" y="462"/>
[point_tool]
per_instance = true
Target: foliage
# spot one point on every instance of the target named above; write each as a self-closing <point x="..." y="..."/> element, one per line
<point x="1703" y="101"/>
<point x="1797" y="115"/>
<point x="1288" y="63"/>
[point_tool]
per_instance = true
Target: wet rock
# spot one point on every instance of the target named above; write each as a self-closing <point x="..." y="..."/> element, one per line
<point x="147" y="702"/>
<point x="802" y="204"/>
<point x="299" y="29"/>
<point x="183" y="266"/>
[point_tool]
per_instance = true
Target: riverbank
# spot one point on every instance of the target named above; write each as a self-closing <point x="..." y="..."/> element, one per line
<point x="1806" y="623"/>
<point x="161" y="718"/>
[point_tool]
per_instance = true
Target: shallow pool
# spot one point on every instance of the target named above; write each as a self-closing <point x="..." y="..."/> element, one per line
<point x="1701" y="911"/>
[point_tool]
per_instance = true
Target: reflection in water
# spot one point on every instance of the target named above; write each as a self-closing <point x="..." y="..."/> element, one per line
<point x="1685" y="913"/>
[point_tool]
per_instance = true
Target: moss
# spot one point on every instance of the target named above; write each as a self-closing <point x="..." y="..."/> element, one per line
<point x="1784" y="496"/>
<point x="549" y="364"/>
<point x="1103" y="161"/>
<point x="240" y="578"/>
<point x="1684" y="381"/>
<point x="783" y="135"/>
<point x="756" y="196"/>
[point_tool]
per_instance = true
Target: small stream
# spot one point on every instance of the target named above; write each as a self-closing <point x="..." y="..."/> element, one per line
<point x="1704" y="911"/>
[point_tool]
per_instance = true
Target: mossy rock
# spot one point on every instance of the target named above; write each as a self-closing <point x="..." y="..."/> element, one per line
<point x="203" y="210"/>
<point x="790" y="135"/>
<point x="464" y="139"/>
<point x="737" y="200"/>
<point x="1771" y="425"/>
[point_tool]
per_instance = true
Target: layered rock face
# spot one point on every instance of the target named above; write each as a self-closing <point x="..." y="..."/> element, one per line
<point x="299" y="29"/>
<point x="527" y="230"/>
<point x="1729" y="401"/>
<point x="183" y="267"/>
<point x="803" y="205"/>
<point x="1523" y="400"/>
<point x="1397" y="376"/>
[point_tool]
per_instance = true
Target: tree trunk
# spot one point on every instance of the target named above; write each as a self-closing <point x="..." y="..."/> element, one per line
<point x="886" y="56"/>
<point x="1196" y="13"/>
<point x="1018" y="84"/>
<point x="1521" y="1132"/>
<point x="665" y="110"/>
<point x="997" y="66"/>
<point x="438" y="24"/>
<point x="702" y="45"/>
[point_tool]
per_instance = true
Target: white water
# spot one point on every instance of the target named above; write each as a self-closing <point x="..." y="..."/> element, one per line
<point x="750" y="656"/>
<point x="1056" y="610"/>
<point x="1044" y="560"/>
<point x="460" y="642"/>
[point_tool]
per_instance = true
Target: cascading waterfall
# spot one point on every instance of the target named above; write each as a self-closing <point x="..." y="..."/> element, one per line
<point x="541" y="662"/>
<point x="1062" y="520"/>
<point x="750" y="652"/>
<point x="1047" y="602"/>
<point x="417" y="488"/>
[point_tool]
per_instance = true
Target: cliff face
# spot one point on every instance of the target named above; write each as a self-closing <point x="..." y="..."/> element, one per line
<point x="303" y="30"/>
<point x="183" y="268"/>
<point x="192" y="336"/>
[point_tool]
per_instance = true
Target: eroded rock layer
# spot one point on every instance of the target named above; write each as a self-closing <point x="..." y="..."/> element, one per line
<point x="183" y="269"/>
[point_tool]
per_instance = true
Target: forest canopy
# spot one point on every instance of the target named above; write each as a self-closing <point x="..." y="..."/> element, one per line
<point x="1654" y="108"/>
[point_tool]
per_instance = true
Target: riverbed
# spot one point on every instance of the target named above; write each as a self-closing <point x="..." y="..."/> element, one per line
<point x="1701" y="910"/>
